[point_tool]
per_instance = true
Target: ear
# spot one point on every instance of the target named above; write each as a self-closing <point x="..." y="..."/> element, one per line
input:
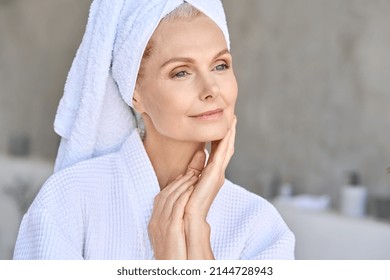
<point x="137" y="102"/>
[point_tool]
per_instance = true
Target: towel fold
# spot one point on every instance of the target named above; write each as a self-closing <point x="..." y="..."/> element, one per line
<point x="94" y="116"/>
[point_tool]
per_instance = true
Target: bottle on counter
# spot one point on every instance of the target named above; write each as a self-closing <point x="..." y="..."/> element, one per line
<point x="354" y="196"/>
<point x="285" y="190"/>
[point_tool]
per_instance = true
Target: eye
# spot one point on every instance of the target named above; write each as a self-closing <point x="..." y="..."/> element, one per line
<point x="180" y="74"/>
<point x="221" y="67"/>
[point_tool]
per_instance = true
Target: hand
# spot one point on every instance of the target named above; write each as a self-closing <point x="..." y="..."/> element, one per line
<point x="197" y="231"/>
<point x="178" y="228"/>
<point x="212" y="176"/>
<point x="166" y="226"/>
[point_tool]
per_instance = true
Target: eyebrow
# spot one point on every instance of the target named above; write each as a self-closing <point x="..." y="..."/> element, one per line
<point x="191" y="60"/>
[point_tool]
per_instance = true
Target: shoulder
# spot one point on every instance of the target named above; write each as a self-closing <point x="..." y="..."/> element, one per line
<point x="240" y="199"/>
<point x="55" y="224"/>
<point x="68" y="188"/>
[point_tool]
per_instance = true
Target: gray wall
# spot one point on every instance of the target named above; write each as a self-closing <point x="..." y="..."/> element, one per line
<point x="38" y="40"/>
<point x="313" y="78"/>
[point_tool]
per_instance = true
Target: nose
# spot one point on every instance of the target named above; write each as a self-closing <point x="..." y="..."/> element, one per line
<point x="209" y="89"/>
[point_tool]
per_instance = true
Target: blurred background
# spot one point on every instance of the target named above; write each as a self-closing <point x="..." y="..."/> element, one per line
<point x="313" y="112"/>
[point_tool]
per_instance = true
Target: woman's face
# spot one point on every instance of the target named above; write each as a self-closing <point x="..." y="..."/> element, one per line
<point x="188" y="89"/>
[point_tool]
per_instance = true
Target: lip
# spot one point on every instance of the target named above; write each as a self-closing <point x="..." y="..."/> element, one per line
<point x="209" y="115"/>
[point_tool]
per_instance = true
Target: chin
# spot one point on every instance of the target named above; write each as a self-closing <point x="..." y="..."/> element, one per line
<point x="213" y="132"/>
<point x="211" y="135"/>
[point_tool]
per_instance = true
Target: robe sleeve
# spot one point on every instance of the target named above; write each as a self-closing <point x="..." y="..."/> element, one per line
<point x="42" y="237"/>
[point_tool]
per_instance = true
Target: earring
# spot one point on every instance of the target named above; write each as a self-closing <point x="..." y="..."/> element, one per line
<point x="141" y="128"/>
<point x="139" y="123"/>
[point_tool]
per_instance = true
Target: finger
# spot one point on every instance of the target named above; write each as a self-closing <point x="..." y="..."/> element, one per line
<point x="197" y="162"/>
<point x="214" y="146"/>
<point x="214" y="173"/>
<point x="161" y="197"/>
<point x="230" y="147"/>
<point x="180" y="205"/>
<point x="221" y="149"/>
<point x="226" y="148"/>
<point x="165" y="208"/>
<point x="172" y="186"/>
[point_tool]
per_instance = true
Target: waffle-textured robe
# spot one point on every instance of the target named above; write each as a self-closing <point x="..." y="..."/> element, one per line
<point x="100" y="209"/>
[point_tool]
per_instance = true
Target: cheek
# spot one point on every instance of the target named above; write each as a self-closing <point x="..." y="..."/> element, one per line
<point x="230" y="92"/>
<point x="167" y="110"/>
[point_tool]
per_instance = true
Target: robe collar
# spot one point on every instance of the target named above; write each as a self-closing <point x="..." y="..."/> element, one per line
<point x="143" y="185"/>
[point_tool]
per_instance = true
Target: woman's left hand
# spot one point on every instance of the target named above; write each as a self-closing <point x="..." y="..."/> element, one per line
<point x="210" y="182"/>
<point x="212" y="176"/>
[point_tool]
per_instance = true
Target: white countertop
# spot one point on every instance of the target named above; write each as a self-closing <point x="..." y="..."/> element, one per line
<point x="327" y="234"/>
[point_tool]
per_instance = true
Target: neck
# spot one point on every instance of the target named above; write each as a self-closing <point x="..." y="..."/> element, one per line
<point x="169" y="157"/>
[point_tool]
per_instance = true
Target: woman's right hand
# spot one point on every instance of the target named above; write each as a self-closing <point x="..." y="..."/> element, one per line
<point x="166" y="226"/>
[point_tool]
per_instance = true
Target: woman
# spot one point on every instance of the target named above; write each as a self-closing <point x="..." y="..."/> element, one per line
<point x="154" y="194"/>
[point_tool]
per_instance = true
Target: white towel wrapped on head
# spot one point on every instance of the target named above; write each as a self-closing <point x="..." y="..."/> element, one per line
<point x="94" y="117"/>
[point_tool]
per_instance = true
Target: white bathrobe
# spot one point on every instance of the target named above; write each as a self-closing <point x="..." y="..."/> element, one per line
<point x="100" y="209"/>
